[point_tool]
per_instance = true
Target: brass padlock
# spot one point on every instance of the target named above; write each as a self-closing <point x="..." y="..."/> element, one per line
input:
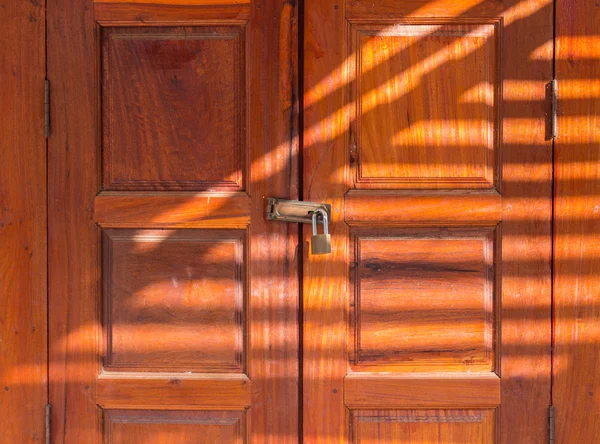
<point x="320" y="243"/>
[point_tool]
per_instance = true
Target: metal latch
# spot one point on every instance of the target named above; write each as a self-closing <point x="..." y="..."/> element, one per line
<point x="304" y="213"/>
<point x="294" y="210"/>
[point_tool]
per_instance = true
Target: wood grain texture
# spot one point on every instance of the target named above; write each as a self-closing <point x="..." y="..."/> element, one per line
<point x="503" y="40"/>
<point x="144" y="14"/>
<point x="173" y="108"/>
<point x="424" y="426"/>
<point x="167" y="391"/>
<point x="427" y="390"/>
<point x="526" y="246"/>
<point x="267" y="34"/>
<point x="576" y="390"/>
<point x="172" y="210"/>
<point x="273" y="144"/>
<point x="423" y="300"/>
<point x="325" y="278"/>
<point x="475" y="9"/>
<point x="174" y="2"/>
<point x="23" y="309"/>
<point x="374" y="207"/>
<point x="73" y="237"/>
<point x="440" y="131"/>
<point x="126" y="426"/>
<point x="174" y="300"/>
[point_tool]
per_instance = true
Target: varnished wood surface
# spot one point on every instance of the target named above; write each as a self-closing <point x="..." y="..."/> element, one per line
<point x="428" y="110"/>
<point x="23" y="327"/>
<point x="74" y="273"/>
<point x="424" y="299"/>
<point x="166" y="123"/>
<point x="496" y="143"/>
<point x="423" y="426"/>
<point x="576" y="377"/>
<point x="365" y="208"/>
<point x="172" y="210"/>
<point x="127" y="14"/>
<point x="325" y="278"/>
<point x="526" y="248"/>
<point x="372" y="390"/>
<point x="175" y="300"/>
<point x="476" y="9"/>
<point x="163" y="391"/>
<point x="238" y="311"/>
<point x="204" y="427"/>
<point x="175" y="2"/>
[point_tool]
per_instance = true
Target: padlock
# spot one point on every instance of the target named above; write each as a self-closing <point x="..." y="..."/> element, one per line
<point x="320" y="243"/>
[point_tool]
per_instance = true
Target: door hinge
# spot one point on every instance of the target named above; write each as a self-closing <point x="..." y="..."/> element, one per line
<point x="47" y="108"/>
<point x="554" y="89"/>
<point x="551" y="425"/>
<point x="48" y="413"/>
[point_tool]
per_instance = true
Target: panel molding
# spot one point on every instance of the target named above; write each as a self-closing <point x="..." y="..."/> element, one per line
<point x="174" y="421"/>
<point x="180" y="32"/>
<point x="392" y="426"/>
<point x="427" y="27"/>
<point x="239" y="310"/>
<point x="441" y="360"/>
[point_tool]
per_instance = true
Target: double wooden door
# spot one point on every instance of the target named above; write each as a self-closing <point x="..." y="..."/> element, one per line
<point x="179" y="314"/>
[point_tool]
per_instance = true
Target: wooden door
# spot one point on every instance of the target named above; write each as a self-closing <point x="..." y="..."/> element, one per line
<point x="173" y="304"/>
<point x="426" y="129"/>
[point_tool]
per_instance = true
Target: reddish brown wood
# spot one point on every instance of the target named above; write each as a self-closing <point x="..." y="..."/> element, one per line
<point x="237" y="313"/>
<point x="73" y="241"/>
<point x="414" y="390"/>
<point x="173" y="108"/>
<point x="432" y="113"/>
<point x="424" y="299"/>
<point x="175" y="210"/>
<point x="140" y="14"/>
<point x="576" y="389"/>
<point x="165" y="391"/>
<point x="475" y="9"/>
<point x="126" y="426"/>
<point x="367" y="208"/>
<point x="23" y="327"/>
<point x="422" y="94"/>
<point x="410" y="426"/>
<point x="174" y="300"/>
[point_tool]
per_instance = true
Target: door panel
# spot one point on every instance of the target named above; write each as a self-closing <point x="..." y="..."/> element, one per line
<point x="127" y="426"/>
<point x="425" y="128"/>
<point x="172" y="98"/>
<point x="174" y="303"/>
<point x="443" y="320"/>
<point x="423" y="426"/>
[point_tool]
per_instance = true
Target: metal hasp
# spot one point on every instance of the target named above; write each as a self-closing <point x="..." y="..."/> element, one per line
<point x="294" y="210"/>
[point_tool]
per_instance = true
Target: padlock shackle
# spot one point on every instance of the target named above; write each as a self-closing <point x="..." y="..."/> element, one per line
<point x="315" y="216"/>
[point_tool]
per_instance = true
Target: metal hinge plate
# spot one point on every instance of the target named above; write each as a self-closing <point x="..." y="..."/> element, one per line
<point x="294" y="210"/>
<point x="48" y="414"/>
<point x="554" y="87"/>
<point x="47" y="108"/>
<point x="551" y="425"/>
